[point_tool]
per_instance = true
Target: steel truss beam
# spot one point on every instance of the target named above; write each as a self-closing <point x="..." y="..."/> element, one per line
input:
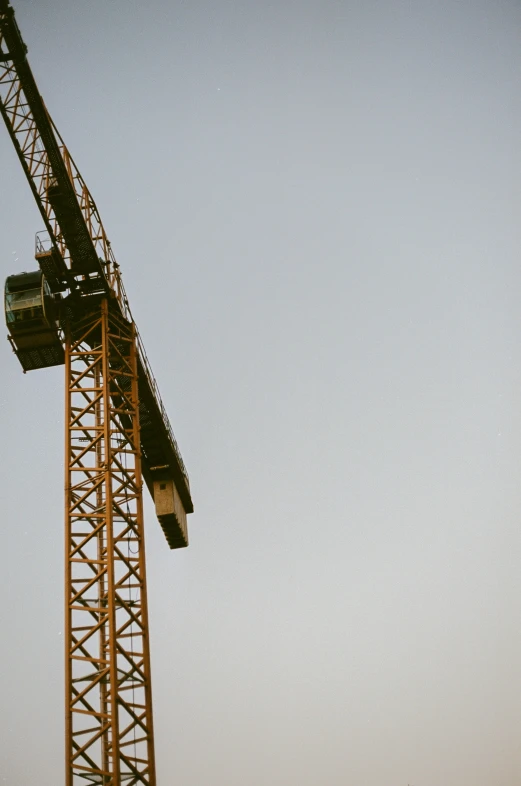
<point x="47" y="162"/>
<point x="109" y="732"/>
<point x="25" y="134"/>
<point x="45" y="159"/>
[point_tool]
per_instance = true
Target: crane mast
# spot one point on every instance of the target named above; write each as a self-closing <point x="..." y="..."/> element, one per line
<point x="74" y="311"/>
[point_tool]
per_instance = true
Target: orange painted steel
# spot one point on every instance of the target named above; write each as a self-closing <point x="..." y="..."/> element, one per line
<point x="109" y="725"/>
<point x="110" y="392"/>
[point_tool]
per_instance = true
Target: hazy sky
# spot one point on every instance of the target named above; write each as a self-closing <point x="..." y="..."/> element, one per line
<point x="316" y="208"/>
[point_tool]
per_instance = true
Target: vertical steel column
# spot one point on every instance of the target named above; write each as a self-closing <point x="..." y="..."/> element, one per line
<point x="109" y="731"/>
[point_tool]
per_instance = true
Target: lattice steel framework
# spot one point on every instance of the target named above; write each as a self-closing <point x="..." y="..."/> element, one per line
<point x="26" y="136"/>
<point x="46" y="159"/>
<point x="109" y="731"/>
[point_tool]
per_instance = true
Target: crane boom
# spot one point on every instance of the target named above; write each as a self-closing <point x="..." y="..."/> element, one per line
<point x="74" y="311"/>
<point x="33" y="136"/>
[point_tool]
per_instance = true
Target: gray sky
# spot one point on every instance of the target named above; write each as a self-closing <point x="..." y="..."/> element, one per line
<point x="316" y="209"/>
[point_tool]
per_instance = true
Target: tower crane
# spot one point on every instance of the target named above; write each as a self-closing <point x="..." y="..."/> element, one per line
<point x="73" y="311"/>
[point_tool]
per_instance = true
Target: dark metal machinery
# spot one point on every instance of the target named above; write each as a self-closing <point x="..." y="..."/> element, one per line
<point x="31" y="313"/>
<point x="74" y="311"/>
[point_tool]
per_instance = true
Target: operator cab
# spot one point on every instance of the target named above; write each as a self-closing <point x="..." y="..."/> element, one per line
<point x="31" y="315"/>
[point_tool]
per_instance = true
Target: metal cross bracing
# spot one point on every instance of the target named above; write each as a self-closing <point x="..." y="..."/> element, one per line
<point x="25" y="134"/>
<point x="118" y="433"/>
<point x="82" y="257"/>
<point x="109" y="706"/>
<point x="65" y="204"/>
<point x="79" y="239"/>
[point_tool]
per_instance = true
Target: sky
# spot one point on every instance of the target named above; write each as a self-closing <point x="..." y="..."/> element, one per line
<point x="315" y="206"/>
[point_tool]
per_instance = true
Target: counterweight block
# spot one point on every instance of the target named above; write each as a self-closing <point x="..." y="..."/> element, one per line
<point x="171" y="513"/>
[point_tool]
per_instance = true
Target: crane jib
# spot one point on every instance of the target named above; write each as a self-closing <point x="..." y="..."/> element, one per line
<point x="60" y="191"/>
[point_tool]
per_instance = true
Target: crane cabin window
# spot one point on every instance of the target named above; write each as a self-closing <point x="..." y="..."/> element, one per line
<point x="28" y="302"/>
<point x="24" y="306"/>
